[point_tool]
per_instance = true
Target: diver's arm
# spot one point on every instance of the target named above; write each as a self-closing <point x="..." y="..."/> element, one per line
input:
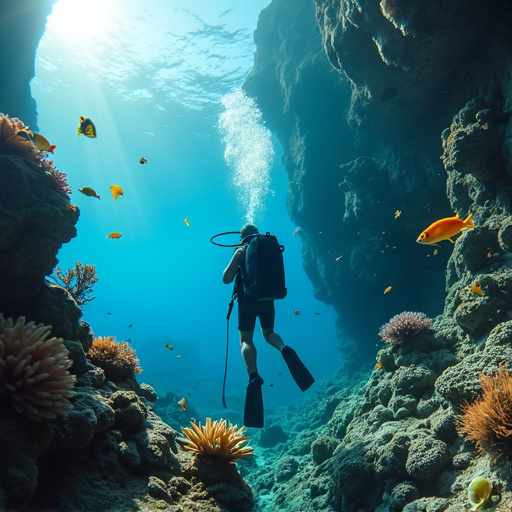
<point x="233" y="265"/>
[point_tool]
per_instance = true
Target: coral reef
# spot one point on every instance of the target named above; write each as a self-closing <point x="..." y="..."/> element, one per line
<point x="404" y="327"/>
<point x="117" y="359"/>
<point x="216" y="439"/>
<point x="35" y="220"/>
<point x="487" y="421"/>
<point x="34" y="372"/>
<point x="79" y="281"/>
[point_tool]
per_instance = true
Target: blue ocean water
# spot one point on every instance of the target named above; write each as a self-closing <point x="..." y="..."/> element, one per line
<point x="161" y="80"/>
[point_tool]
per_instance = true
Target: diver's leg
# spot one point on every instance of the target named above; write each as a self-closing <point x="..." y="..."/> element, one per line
<point x="253" y="409"/>
<point x="273" y="338"/>
<point x="248" y="350"/>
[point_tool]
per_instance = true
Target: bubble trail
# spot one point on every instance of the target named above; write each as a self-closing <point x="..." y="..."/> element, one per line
<point x="248" y="152"/>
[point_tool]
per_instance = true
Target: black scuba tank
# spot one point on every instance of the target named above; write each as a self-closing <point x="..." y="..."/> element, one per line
<point x="263" y="276"/>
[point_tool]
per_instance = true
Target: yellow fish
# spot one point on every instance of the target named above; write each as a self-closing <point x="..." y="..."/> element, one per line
<point x="388" y="289"/>
<point x="116" y="191"/>
<point x="88" y="191"/>
<point x="397" y="214"/>
<point x="86" y="126"/>
<point x="477" y="290"/>
<point x="187" y="223"/>
<point x="183" y="403"/>
<point x="444" y="229"/>
<point x="435" y="252"/>
<point x="115" y="235"/>
<point x="378" y="366"/>
<point x="43" y="144"/>
<point x="170" y="347"/>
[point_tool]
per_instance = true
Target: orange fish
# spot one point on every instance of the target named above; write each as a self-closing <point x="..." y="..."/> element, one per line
<point x="378" y="366"/>
<point x="115" y="235"/>
<point x="183" y="403"/>
<point x="444" y="229"/>
<point x="477" y="290"/>
<point x="388" y="289"/>
<point x="88" y="191"/>
<point x="489" y="254"/>
<point x="143" y="161"/>
<point x="297" y="312"/>
<point x="187" y="223"/>
<point x="116" y="191"/>
<point x="72" y="207"/>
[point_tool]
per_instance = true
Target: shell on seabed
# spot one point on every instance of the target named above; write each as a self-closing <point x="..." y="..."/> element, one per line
<point x="479" y="491"/>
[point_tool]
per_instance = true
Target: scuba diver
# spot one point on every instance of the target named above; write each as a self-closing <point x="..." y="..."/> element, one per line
<point x="250" y="308"/>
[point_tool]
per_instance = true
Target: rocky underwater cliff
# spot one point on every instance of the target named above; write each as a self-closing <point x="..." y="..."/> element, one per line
<point x="393" y="114"/>
<point x="381" y="107"/>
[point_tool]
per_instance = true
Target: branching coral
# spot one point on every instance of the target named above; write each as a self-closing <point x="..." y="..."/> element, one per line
<point x="78" y="281"/>
<point x="11" y="143"/>
<point x="34" y="372"/>
<point x="487" y="421"/>
<point x="118" y="360"/>
<point x="403" y="327"/>
<point x="217" y="440"/>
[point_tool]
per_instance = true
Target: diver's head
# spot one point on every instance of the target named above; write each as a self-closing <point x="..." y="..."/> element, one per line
<point x="248" y="229"/>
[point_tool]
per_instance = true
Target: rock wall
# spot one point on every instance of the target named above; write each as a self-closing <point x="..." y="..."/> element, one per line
<point x="427" y="91"/>
<point x="21" y="27"/>
<point x="359" y="93"/>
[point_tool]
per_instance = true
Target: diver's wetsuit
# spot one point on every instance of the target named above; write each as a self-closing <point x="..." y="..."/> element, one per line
<point x="249" y="310"/>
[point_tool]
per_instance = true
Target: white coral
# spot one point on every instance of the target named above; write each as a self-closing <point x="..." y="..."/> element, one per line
<point x="33" y="370"/>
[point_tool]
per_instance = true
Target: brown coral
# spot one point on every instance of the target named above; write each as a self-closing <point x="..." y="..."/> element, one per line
<point x="118" y="360"/>
<point x="216" y="440"/>
<point x="34" y="372"/>
<point x="487" y="421"/>
<point x="79" y="281"/>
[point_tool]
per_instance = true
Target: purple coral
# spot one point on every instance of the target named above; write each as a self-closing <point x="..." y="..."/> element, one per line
<point x="404" y="326"/>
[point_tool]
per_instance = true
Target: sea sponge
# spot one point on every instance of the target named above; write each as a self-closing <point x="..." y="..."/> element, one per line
<point x="487" y="421"/>
<point x="404" y="327"/>
<point x="117" y="359"/>
<point x="216" y="440"/>
<point x="34" y="372"/>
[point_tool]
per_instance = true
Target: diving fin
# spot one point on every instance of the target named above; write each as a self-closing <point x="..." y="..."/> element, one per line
<point x="253" y="411"/>
<point x="299" y="372"/>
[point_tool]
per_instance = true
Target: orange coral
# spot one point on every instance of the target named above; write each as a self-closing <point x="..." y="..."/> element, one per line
<point x="34" y="370"/>
<point x="118" y="360"/>
<point x="79" y="281"/>
<point x="216" y="439"/>
<point x="487" y="421"/>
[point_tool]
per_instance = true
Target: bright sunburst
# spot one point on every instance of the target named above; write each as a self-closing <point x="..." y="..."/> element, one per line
<point x="79" y="20"/>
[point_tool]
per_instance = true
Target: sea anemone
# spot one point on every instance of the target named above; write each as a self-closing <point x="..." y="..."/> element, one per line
<point x="117" y="359"/>
<point x="487" y="421"/>
<point x="216" y="440"/>
<point x="404" y="327"/>
<point x="34" y="372"/>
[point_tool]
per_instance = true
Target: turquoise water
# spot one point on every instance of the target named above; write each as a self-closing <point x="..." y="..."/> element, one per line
<point x="161" y="80"/>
